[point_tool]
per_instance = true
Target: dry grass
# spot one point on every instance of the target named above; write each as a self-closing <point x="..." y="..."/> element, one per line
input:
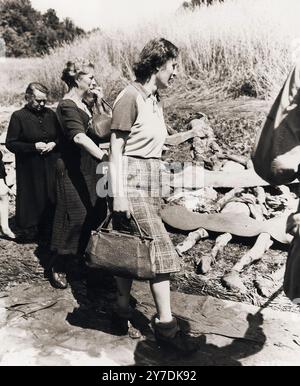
<point x="235" y="48"/>
<point x="15" y="74"/>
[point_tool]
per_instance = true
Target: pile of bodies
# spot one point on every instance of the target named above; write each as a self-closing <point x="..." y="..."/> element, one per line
<point x="237" y="200"/>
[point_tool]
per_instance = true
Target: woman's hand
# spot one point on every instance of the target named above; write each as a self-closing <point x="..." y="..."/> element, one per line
<point x="121" y="205"/>
<point x="40" y="146"/>
<point x="49" y="147"/>
<point x="98" y="93"/>
<point x="103" y="156"/>
<point x="287" y="164"/>
<point x="293" y="224"/>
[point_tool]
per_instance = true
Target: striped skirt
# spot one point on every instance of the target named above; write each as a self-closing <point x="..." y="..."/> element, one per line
<point x="78" y="210"/>
<point x="142" y="184"/>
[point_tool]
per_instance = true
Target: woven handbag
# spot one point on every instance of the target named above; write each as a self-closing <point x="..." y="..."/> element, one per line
<point x="123" y="254"/>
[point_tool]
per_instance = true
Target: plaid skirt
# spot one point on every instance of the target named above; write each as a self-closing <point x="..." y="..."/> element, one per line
<point x="142" y="184"/>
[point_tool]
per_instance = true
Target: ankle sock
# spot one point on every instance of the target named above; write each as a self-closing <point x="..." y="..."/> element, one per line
<point x="166" y="330"/>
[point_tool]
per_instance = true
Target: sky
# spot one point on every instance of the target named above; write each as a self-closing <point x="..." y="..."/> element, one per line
<point x="90" y="14"/>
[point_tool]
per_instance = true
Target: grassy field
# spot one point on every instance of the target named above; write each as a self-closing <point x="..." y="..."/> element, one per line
<point x="235" y="48"/>
<point x="234" y="59"/>
<point x="15" y="74"/>
<point x="228" y="51"/>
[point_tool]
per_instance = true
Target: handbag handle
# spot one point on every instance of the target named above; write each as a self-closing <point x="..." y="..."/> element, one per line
<point x="106" y="222"/>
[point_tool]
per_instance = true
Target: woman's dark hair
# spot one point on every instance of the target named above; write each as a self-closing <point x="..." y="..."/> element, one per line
<point x="73" y="71"/>
<point x="36" y="86"/>
<point x="154" y="55"/>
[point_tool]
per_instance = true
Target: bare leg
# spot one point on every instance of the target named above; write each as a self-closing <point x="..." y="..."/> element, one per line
<point x="232" y="279"/>
<point x="160" y="288"/>
<point x="191" y="240"/>
<point x="268" y="284"/>
<point x="166" y="328"/>
<point x="263" y="243"/>
<point x="4" y="202"/>
<point x="204" y="265"/>
<point x="124" y="288"/>
<point x="123" y="311"/>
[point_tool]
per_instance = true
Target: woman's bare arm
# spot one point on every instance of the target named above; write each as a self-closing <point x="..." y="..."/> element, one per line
<point x="87" y="144"/>
<point x="117" y="143"/>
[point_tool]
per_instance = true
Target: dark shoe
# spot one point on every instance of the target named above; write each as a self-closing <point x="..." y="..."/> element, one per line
<point x="58" y="279"/>
<point x="170" y="336"/>
<point x="122" y="323"/>
<point x="29" y="235"/>
<point x="26" y="239"/>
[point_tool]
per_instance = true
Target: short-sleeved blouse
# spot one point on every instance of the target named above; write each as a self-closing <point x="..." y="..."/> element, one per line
<point x="73" y="121"/>
<point x="140" y="113"/>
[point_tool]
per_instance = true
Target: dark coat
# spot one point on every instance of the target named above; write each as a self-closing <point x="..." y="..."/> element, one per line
<point x="35" y="172"/>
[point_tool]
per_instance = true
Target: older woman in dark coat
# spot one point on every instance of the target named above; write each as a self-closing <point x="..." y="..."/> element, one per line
<point x="32" y="137"/>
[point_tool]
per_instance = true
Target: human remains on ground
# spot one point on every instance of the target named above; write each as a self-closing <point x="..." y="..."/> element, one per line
<point x="254" y="202"/>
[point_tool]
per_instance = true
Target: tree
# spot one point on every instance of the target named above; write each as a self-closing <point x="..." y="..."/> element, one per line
<point x="15" y="45"/>
<point x="27" y="32"/>
<point x="50" y="19"/>
<point x="192" y="4"/>
<point x="2" y="48"/>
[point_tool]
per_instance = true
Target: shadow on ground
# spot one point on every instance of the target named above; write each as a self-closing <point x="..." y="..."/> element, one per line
<point x="43" y="326"/>
<point x="94" y="312"/>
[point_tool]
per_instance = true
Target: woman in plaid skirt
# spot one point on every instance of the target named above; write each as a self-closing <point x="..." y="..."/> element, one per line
<point x="137" y="140"/>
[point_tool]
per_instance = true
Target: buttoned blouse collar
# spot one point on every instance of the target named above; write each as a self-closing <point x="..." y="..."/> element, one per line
<point x="145" y="93"/>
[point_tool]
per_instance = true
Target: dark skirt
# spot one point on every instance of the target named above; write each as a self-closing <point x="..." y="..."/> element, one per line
<point x="35" y="199"/>
<point x="78" y="211"/>
<point x="142" y="184"/>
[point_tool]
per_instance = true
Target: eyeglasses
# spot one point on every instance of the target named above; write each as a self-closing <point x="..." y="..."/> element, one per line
<point x="41" y="101"/>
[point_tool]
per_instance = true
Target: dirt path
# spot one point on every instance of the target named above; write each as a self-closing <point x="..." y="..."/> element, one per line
<point x="43" y="326"/>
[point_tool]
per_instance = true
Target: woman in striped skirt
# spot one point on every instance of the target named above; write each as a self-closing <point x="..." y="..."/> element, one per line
<point x="78" y="209"/>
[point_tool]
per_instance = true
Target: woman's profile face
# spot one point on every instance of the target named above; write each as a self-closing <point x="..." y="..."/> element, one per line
<point x="166" y="74"/>
<point x="85" y="82"/>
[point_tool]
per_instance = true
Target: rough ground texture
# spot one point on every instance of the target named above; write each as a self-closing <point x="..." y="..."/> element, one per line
<point x="43" y="326"/>
<point x="80" y="316"/>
